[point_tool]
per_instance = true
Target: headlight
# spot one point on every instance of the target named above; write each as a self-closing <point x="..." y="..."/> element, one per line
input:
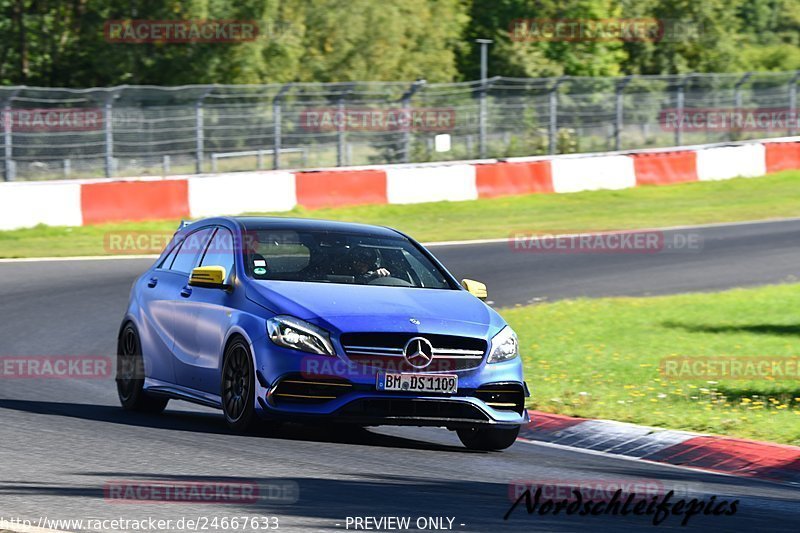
<point x="505" y="346"/>
<point x="297" y="334"/>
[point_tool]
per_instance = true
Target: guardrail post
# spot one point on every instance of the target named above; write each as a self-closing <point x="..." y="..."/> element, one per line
<point x="166" y="164"/>
<point x="109" y="130"/>
<point x="793" y="103"/>
<point x="618" y="105"/>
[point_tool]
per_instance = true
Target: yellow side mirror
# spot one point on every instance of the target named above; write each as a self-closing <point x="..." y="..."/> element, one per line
<point x="475" y="288"/>
<point x="208" y="276"/>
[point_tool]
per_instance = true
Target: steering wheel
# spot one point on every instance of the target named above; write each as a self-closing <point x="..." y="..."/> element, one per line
<point x="390" y="281"/>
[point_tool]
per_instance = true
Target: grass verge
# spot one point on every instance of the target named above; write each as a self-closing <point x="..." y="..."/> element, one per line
<point x="740" y="199"/>
<point x="601" y="358"/>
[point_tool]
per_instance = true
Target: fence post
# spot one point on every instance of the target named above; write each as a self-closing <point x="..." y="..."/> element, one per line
<point x="553" y="127"/>
<point x="737" y="90"/>
<point x="793" y="103"/>
<point x="679" y="107"/>
<point x="737" y="97"/>
<point x="7" y="122"/>
<point x="277" y="117"/>
<point x="109" y="129"/>
<point x="406" y="100"/>
<point x="618" y="111"/>
<point x="198" y="118"/>
<point x="199" y="128"/>
<point x="484" y="87"/>
<point x="340" y="140"/>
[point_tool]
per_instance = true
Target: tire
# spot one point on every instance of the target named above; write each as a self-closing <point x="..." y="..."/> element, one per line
<point x="488" y="439"/>
<point x="130" y="375"/>
<point x="237" y="390"/>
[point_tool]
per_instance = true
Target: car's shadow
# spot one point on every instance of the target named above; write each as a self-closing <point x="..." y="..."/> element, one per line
<point x="212" y="423"/>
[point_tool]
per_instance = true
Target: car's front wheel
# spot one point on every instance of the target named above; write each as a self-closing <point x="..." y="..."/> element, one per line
<point x="130" y="375"/>
<point x="487" y="439"/>
<point x="238" y="386"/>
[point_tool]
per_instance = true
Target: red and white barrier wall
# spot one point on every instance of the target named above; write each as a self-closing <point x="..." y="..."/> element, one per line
<point x="79" y="202"/>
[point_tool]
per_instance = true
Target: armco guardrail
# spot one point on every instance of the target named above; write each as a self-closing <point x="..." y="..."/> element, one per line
<point x="78" y="202"/>
<point x="51" y="133"/>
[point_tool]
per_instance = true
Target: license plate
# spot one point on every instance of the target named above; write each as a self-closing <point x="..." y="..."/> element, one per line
<point x="438" y="383"/>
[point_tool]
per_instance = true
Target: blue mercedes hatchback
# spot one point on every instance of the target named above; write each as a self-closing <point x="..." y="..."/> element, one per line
<point x="311" y="320"/>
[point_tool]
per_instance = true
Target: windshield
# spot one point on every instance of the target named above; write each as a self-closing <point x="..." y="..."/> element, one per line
<point x="338" y="257"/>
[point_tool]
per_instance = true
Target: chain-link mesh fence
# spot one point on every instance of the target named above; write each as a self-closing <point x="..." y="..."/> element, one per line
<point x="141" y="130"/>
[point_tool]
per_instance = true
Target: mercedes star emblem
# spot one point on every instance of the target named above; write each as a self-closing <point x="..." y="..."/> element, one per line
<point x="418" y="352"/>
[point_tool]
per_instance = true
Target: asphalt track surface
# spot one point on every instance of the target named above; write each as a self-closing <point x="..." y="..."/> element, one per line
<point x="63" y="441"/>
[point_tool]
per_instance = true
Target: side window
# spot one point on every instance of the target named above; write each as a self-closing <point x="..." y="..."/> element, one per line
<point x="167" y="262"/>
<point x="190" y="251"/>
<point x="220" y="252"/>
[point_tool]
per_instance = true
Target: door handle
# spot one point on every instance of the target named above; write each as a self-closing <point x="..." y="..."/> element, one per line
<point x="152" y="282"/>
<point x="186" y="292"/>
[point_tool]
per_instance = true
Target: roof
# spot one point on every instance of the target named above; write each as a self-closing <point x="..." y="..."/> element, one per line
<point x="311" y="224"/>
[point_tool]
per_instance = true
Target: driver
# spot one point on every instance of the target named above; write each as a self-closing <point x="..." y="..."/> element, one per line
<point x="366" y="267"/>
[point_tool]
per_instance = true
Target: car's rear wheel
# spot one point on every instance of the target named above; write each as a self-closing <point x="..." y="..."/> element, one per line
<point x="487" y="439"/>
<point x="238" y="386"/>
<point x="130" y="375"/>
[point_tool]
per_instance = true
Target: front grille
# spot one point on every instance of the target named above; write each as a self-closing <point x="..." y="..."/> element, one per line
<point x="414" y="409"/>
<point x="305" y="391"/>
<point x="503" y="396"/>
<point x="385" y="351"/>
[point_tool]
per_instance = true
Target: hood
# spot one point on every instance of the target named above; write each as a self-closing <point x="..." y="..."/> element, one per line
<point x="341" y="307"/>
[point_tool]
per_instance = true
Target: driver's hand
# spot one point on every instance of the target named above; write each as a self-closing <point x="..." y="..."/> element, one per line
<point x="382" y="272"/>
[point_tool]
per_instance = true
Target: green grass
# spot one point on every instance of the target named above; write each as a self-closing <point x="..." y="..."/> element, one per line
<point x="772" y="196"/>
<point x="600" y="358"/>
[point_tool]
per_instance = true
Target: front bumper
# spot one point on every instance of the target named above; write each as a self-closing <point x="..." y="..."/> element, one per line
<point x="296" y="397"/>
<point x="449" y="412"/>
<point x="305" y="387"/>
